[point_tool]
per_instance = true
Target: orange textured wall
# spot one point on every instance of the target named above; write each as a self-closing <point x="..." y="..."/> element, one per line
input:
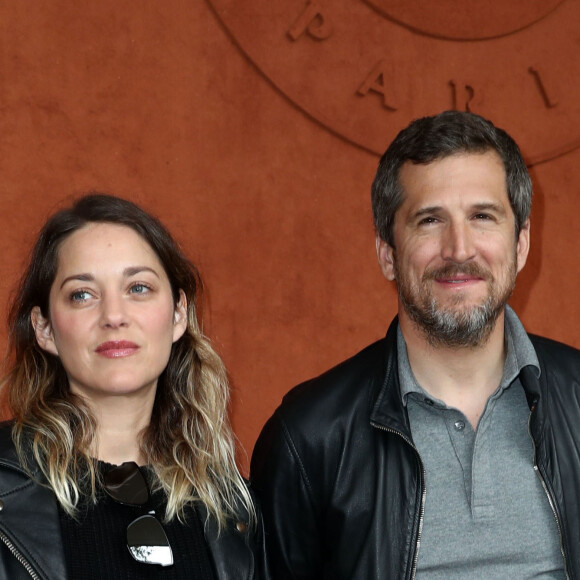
<point x="167" y="104"/>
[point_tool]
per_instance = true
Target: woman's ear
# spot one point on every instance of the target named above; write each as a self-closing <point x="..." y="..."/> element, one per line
<point x="180" y="317"/>
<point x="43" y="331"/>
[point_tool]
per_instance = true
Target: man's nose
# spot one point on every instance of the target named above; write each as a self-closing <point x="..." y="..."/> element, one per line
<point x="457" y="244"/>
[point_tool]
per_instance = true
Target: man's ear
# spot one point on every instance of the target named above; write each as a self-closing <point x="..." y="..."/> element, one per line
<point x="180" y="317"/>
<point x="386" y="258"/>
<point x="43" y="331"/>
<point x="523" y="245"/>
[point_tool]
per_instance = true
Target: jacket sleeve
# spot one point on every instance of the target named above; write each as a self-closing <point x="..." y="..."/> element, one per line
<point x="291" y="518"/>
<point x="237" y="550"/>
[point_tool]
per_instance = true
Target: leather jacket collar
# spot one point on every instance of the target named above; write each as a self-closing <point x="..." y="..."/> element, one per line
<point x="30" y="530"/>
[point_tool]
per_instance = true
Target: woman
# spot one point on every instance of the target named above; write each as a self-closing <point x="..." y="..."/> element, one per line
<point x="119" y="460"/>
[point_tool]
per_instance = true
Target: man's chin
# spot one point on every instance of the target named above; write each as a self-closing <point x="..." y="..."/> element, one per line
<point x="465" y="309"/>
<point x="459" y="306"/>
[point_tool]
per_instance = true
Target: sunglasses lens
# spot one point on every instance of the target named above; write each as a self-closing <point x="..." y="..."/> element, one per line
<point x="126" y="484"/>
<point x="148" y="543"/>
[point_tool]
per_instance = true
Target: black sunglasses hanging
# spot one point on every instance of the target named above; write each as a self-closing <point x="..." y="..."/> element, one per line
<point x="146" y="538"/>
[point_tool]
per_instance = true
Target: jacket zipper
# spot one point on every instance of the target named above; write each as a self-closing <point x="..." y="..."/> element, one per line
<point x="19" y="556"/>
<point x="423" y="493"/>
<point x="550" y="499"/>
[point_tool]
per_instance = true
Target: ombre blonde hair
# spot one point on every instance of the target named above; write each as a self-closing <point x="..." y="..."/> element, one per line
<point x="188" y="443"/>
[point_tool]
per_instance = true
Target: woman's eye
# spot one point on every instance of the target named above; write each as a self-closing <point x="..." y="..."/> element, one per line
<point x="139" y="289"/>
<point x="80" y="296"/>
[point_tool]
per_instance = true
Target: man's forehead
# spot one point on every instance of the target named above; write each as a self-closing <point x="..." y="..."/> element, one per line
<point x="459" y="156"/>
<point x="454" y="175"/>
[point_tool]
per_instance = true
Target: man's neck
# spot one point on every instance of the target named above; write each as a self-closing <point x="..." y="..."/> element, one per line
<point x="461" y="377"/>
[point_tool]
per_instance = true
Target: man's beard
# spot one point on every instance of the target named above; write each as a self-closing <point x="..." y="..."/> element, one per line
<point x="455" y="325"/>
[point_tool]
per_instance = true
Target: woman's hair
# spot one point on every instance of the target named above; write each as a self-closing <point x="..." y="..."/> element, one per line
<point x="189" y="442"/>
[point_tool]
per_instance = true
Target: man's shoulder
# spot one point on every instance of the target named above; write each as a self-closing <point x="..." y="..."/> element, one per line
<point x="554" y="355"/>
<point x="353" y="382"/>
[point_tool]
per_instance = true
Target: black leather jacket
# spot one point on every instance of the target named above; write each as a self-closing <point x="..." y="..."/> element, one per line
<point x="342" y="485"/>
<point x="30" y="544"/>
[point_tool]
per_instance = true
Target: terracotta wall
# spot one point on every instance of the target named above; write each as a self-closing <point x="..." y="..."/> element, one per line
<point x="252" y="129"/>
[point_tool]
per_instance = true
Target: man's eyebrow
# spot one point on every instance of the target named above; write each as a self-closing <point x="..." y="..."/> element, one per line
<point x="127" y="273"/>
<point x="482" y="206"/>
<point x="426" y="211"/>
<point x="489" y="206"/>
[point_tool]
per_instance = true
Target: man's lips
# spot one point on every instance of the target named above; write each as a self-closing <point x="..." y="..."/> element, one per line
<point x="459" y="275"/>
<point x="458" y="279"/>
<point x="116" y="348"/>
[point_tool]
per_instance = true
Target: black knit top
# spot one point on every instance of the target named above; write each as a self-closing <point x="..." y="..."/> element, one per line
<point x="95" y="544"/>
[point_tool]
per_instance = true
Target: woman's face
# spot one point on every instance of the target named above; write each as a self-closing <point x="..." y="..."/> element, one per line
<point x="112" y="317"/>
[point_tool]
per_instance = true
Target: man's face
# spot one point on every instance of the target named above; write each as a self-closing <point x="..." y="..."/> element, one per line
<point x="455" y="256"/>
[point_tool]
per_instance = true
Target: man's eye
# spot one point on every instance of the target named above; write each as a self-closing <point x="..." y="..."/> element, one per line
<point x="428" y="220"/>
<point x="482" y="216"/>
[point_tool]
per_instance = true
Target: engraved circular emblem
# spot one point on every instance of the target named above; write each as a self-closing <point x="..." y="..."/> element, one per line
<point x="465" y="20"/>
<point x="365" y="68"/>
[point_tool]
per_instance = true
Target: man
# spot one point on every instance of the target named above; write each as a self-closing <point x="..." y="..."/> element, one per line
<point x="451" y="448"/>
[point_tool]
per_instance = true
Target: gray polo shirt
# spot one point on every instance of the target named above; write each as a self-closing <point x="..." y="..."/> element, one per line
<point x="486" y="513"/>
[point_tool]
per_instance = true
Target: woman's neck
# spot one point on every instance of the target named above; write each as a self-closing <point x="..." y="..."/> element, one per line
<point x="120" y="423"/>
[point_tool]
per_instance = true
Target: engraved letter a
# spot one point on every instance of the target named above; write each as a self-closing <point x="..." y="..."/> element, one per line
<point x="375" y="81"/>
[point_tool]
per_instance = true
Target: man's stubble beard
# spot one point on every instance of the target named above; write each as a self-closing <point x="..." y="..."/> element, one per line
<point x="453" y="326"/>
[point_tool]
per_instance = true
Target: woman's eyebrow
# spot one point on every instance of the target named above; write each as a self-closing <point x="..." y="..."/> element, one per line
<point x="80" y="277"/>
<point x="134" y="270"/>
<point x="127" y="273"/>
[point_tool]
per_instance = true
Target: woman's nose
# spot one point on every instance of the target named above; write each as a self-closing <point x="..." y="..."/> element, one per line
<point x="113" y="312"/>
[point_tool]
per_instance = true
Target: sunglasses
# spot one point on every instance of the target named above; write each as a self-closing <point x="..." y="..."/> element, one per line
<point x="146" y="538"/>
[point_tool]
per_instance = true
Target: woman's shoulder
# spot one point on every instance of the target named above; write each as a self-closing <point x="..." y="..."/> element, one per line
<point x="8" y="453"/>
<point x="12" y="475"/>
<point x="237" y="547"/>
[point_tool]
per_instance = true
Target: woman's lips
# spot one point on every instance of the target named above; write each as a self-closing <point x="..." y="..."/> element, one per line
<point x="116" y="348"/>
